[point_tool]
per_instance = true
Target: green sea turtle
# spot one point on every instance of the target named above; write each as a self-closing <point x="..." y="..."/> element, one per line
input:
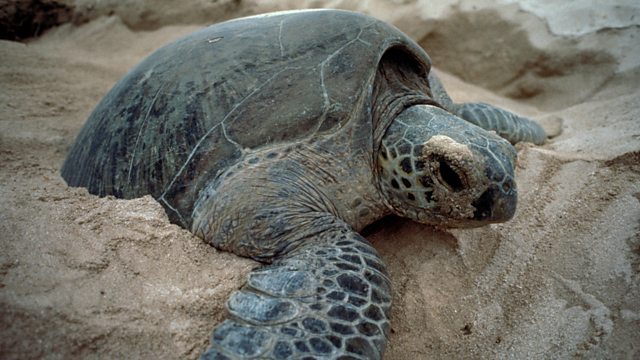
<point x="279" y="137"/>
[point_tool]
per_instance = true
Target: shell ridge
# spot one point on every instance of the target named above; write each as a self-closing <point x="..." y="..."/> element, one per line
<point x="280" y="37"/>
<point x="142" y="128"/>
<point x="325" y="94"/>
<point x="210" y="131"/>
<point x="166" y="203"/>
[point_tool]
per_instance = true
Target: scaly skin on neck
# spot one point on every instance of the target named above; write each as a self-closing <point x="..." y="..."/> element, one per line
<point x="273" y="200"/>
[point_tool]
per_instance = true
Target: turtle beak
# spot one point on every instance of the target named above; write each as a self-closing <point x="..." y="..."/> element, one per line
<point x="495" y="205"/>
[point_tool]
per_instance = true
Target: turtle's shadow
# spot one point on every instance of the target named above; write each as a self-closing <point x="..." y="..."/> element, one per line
<point x="394" y="232"/>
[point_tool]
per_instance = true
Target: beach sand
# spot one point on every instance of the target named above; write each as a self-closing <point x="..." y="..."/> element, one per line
<point x="88" y="277"/>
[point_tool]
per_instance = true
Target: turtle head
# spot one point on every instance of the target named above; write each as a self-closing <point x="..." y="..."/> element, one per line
<point x="436" y="168"/>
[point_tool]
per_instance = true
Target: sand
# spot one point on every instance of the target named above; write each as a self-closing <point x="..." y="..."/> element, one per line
<point x="88" y="277"/>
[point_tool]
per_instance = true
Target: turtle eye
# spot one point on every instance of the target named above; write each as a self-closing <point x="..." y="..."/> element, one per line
<point x="449" y="177"/>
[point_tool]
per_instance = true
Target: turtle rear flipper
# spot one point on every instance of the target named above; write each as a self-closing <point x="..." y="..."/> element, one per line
<point x="328" y="298"/>
<point x="508" y="125"/>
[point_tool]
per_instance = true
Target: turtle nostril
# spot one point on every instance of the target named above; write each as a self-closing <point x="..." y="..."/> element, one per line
<point x="483" y="205"/>
<point x="507" y="186"/>
<point x="450" y="177"/>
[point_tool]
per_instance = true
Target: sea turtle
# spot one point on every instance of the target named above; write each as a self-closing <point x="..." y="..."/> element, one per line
<point x="279" y="137"/>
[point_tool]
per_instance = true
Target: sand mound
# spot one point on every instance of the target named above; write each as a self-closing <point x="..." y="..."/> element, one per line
<point x="84" y="277"/>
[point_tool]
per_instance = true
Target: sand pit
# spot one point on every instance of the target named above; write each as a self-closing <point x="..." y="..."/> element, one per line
<point x="88" y="277"/>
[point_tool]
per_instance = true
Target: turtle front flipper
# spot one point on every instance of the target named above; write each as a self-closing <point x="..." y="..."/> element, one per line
<point x="328" y="298"/>
<point x="508" y="125"/>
